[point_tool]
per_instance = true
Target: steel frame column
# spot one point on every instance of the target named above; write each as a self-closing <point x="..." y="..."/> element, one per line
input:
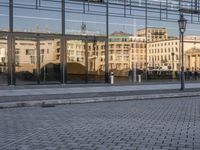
<point x="86" y="59"/>
<point x="63" y="69"/>
<point x="11" y="59"/>
<point x="182" y="63"/>
<point x="11" y="15"/>
<point x="38" y="58"/>
<point x="11" y="48"/>
<point x="146" y="58"/>
<point x="107" y="45"/>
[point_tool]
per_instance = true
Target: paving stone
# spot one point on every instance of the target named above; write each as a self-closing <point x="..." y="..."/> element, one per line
<point x="149" y="124"/>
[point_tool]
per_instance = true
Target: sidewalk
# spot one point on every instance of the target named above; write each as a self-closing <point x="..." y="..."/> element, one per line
<point x="64" y="94"/>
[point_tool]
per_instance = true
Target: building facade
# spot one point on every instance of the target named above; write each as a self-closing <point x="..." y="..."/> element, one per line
<point x="67" y="41"/>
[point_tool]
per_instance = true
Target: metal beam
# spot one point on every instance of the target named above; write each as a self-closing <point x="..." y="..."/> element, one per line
<point x="189" y="11"/>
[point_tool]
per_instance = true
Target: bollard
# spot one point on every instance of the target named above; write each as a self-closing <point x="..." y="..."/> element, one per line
<point x="111" y="78"/>
<point x="139" y="79"/>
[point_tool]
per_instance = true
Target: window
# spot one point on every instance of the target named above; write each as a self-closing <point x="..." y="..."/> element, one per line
<point x="42" y="51"/>
<point x="33" y="59"/>
<point x="29" y="52"/>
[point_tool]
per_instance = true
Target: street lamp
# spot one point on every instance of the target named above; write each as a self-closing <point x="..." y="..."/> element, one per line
<point x="182" y="26"/>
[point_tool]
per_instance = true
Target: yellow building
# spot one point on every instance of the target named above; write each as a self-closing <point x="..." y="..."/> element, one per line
<point x="125" y="52"/>
<point x="153" y="33"/>
<point x="163" y="55"/>
<point x="192" y="53"/>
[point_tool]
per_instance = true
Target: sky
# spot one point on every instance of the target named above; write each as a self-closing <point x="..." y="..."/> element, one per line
<point x="27" y="20"/>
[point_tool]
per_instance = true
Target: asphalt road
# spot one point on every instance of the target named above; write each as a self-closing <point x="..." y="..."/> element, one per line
<point x="145" y="124"/>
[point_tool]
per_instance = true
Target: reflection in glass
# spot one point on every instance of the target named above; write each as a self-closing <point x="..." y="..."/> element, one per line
<point x="85" y="60"/>
<point x="3" y="60"/>
<point x="35" y="16"/>
<point x="76" y="61"/>
<point x="94" y="26"/>
<point x="127" y="49"/>
<point x="50" y="60"/>
<point x="163" y="53"/>
<point x="96" y="61"/>
<point x="4" y="17"/>
<point x="25" y="60"/>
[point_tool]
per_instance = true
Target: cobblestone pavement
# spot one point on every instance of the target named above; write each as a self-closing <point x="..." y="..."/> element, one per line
<point x="146" y="124"/>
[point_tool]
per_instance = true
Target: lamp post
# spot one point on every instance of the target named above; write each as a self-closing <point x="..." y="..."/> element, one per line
<point x="182" y="26"/>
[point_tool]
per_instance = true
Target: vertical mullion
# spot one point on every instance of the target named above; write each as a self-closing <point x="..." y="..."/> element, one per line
<point x="11" y="15"/>
<point x="86" y="59"/>
<point x="11" y="59"/>
<point x="36" y="4"/>
<point x="63" y="60"/>
<point x="146" y="24"/>
<point x="38" y="59"/>
<point x="166" y="9"/>
<point x="63" y="46"/>
<point x="63" y="17"/>
<point x="11" y="47"/>
<point x="107" y="44"/>
<point x="13" y="78"/>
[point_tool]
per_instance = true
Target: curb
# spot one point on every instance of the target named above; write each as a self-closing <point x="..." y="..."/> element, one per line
<point x="52" y="103"/>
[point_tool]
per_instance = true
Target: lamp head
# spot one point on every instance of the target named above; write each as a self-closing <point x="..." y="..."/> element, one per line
<point x="182" y="23"/>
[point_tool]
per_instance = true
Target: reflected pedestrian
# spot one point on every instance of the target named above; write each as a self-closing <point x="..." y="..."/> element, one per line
<point x="130" y="75"/>
<point x="196" y="75"/>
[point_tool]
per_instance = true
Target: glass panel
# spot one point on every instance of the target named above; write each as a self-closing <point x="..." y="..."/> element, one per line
<point x="163" y="50"/>
<point x="76" y="61"/>
<point x="127" y="49"/>
<point x="25" y="60"/>
<point x="50" y="61"/>
<point x="94" y="24"/>
<point x="43" y="17"/>
<point x="192" y="52"/>
<point x="96" y="61"/>
<point x="4" y="15"/>
<point x="3" y="60"/>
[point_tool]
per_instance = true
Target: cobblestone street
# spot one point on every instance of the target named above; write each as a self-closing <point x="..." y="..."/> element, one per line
<point x="145" y="124"/>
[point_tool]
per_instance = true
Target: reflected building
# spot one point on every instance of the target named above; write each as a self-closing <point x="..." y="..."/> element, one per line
<point x="3" y="56"/>
<point x="153" y="34"/>
<point x="192" y="53"/>
<point x="126" y="52"/>
<point x="164" y="55"/>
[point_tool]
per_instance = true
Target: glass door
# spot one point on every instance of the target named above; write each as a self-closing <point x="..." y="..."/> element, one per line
<point x="50" y="60"/>
<point x="25" y="60"/>
<point x="3" y="60"/>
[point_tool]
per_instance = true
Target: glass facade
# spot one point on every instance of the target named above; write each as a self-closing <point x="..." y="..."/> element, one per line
<point x="65" y="41"/>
